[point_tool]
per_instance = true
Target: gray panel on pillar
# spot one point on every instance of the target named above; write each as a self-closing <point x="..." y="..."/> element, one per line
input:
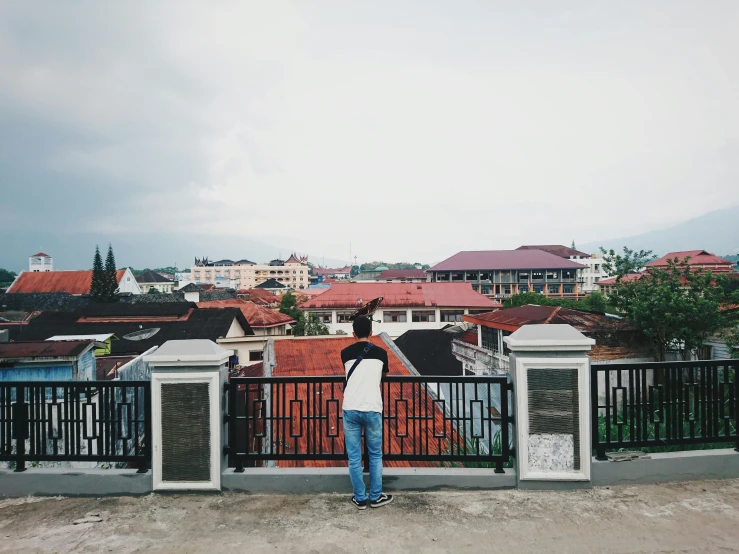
<point x="185" y="432"/>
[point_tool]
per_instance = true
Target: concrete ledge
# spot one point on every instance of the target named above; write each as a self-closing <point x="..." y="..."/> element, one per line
<point x="74" y="482"/>
<point x="663" y="468"/>
<point x="314" y="480"/>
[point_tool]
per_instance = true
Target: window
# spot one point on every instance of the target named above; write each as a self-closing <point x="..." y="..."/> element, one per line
<point x="552" y="274"/>
<point x="394" y="317"/>
<point x="569" y="289"/>
<point x="538" y="275"/>
<point x="458" y="276"/>
<point x="568" y="274"/>
<point x="324" y="317"/>
<point x="472" y="312"/>
<point x="553" y="289"/>
<point x="256" y="355"/>
<point x="486" y="289"/>
<point x="523" y="276"/>
<point x="489" y="339"/>
<point x="484" y="276"/>
<point x="504" y="275"/>
<point x="506" y="289"/>
<point x="452" y="316"/>
<point x="539" y="289"/>
<point x="595" y="267"/>
<point x="419" y="316"/>
<point x="523" y="288"/>
<point x="442" y="276"/>
<point x="506" y="350"/>
<point x="343" y="317"/>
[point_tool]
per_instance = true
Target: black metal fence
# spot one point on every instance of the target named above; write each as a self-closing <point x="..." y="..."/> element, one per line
<point x="428" y="420"/>
<point x="67" y="421"/>
<point x="664" y="404"/>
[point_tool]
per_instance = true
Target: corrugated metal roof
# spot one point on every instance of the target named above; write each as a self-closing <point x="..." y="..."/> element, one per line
<point x="152" y="277"/>
<point x="322" y="356"/>
<point x="532" y="314"/>
<point x="43" y="349"/>
<point x="258" y="316"/>
<point x="448" y="295"/>
<point x="504" y="259"/>
<point x="259" y="296"/>
<point x="72" y="282"/>
<point x="697" y="258"/>
<point x="99" y="338"/>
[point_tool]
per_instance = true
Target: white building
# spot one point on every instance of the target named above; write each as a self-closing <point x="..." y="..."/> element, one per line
<point x="245" y="274"/>
<point x="153" y="280"/>
<point x="405" y="306"/>
<point x="40" y="262"/>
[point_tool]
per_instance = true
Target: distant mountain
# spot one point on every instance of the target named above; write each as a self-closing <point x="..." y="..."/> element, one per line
<point x="717" y="232"/>
<point x="75" y="251"/>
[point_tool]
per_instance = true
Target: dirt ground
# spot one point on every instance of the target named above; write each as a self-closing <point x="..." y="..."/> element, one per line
<point x="685" y="517"/>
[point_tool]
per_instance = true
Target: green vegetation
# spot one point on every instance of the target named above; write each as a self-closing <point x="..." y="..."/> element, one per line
<point x="6" y="277"/>
<point x="104" y="283"/>
<point x="677" y="308"/>
<point x="171" y="270"/>
<point x="594" y="302"/>
<point x="308" y="325"/>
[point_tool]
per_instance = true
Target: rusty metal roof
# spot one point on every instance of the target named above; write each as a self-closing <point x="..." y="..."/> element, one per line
<point x="44" y="349"/>
<point x="504" y="259"/>
<point x="511" y="319"/>
<point x="72" y="282"/>
<point x="258" y="317"/>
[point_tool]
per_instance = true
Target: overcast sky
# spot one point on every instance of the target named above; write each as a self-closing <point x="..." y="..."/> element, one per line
<point x="410" y="129"/>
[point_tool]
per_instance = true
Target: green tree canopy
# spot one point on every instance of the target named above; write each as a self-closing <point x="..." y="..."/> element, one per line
<point x="111" y="280"/>
<point x="309" y="325"/>
<point x="97" y="287"/>
<point x="7" y="277"/>
<point x="288" y="306"/>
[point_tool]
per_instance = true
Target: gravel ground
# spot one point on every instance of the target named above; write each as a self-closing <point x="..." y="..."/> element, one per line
<point x="682" y="517"/>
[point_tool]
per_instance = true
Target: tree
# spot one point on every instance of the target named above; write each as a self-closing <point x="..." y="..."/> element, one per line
<point x="617" y="265"/>
<point x="355" y="271"/>
<point x="152" y="290"/>
<point x="289" y="306"/>
<point x="309" y="325"/>
<point x="7" y="277"/>
<point x="97" y="287"/>
<point x="677" y="308"/>
<point x="111" y="278"/>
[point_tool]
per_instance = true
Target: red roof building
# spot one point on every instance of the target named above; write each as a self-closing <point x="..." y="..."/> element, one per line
<point x="698" y="259"/>
<point x="556" y="249"/>
<point x="259" y="317"/>
<point x="503" y="273"/>
<point x="71" y="282"/>
<point x="260" y="297"/>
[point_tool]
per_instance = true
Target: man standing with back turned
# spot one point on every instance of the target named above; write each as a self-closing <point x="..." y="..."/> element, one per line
<point x="364" y="364"/>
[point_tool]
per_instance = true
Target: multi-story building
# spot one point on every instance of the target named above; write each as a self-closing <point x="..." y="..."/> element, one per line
<point x="245" y="274"/>
<point x="502" y="273"/>
<point x="593" y="263"/>
<point x="405" y="306"/>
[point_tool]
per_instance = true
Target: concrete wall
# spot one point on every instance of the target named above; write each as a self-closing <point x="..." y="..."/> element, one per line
<point x="664" y="468"/>
<point x="74" y="482"/>
<point x="319" y="480"/>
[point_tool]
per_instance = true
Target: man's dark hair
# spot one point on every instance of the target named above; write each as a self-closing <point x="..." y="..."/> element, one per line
<point x="362" y="327"/>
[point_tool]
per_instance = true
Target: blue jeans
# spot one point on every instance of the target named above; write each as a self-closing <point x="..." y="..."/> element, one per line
<point x="371" y="422"/>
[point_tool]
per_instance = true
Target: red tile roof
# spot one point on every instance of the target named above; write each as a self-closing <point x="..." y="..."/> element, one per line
<point x="72" y="282"/>
<point x="511" y="319"/>
<point x="556" y="249"/>
<point x="258" y="317"/>
<point x="628" y="277"/>
<point x="504" y="259"/>
<point x="44" y="349"/>
<point x="351" y="295"/>
<point x="698" y="258"/>
<point x="402" y="274"/>
<point x="40" y="254"/>
<point x="322" y="356"/>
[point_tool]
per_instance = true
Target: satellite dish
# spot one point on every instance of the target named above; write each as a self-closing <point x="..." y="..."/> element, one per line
<point x="142" y="335"/>
<point x="367" y="309"/>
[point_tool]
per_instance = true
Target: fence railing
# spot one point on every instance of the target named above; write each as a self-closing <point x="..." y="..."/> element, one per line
<point x="663" y="404"/>
<point x="436" y="420"/>
<point x="67" y="421"/>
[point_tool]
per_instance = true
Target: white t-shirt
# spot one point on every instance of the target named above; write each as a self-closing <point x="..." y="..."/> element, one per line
<point x="362" y="392"/>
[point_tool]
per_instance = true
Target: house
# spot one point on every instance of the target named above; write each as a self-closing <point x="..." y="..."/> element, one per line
<point x="72" y="360"/>
<point x="321" y="356"/>
<point x="593" y="263"/>
<point x="260" y="297"/>
<point x="502" y="273"/>
<point x="40" y="262"/>
<point x="70" y="282"/>
<point x="140" y="327"/>
<point x="191" y="292"/>
<point x="337" y="273"/>
<point x="153" y="280"/>
<point x="245" y="274"/>
<point x="405" y="306"/>
<point x="103" y="342"/>
<point x="273" y="286"/>
<point x="393" y="276"/>
<point x="698" y="259"/>
<point x="615" y="340"/>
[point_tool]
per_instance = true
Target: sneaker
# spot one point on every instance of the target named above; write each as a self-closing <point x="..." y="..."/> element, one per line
<point x="382" y="501"/>
<point x="360" y="504"/>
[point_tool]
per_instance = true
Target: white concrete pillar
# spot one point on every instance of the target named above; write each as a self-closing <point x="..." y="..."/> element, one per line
<point x="551" y="374"/>
<point x="187" y="378"/>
